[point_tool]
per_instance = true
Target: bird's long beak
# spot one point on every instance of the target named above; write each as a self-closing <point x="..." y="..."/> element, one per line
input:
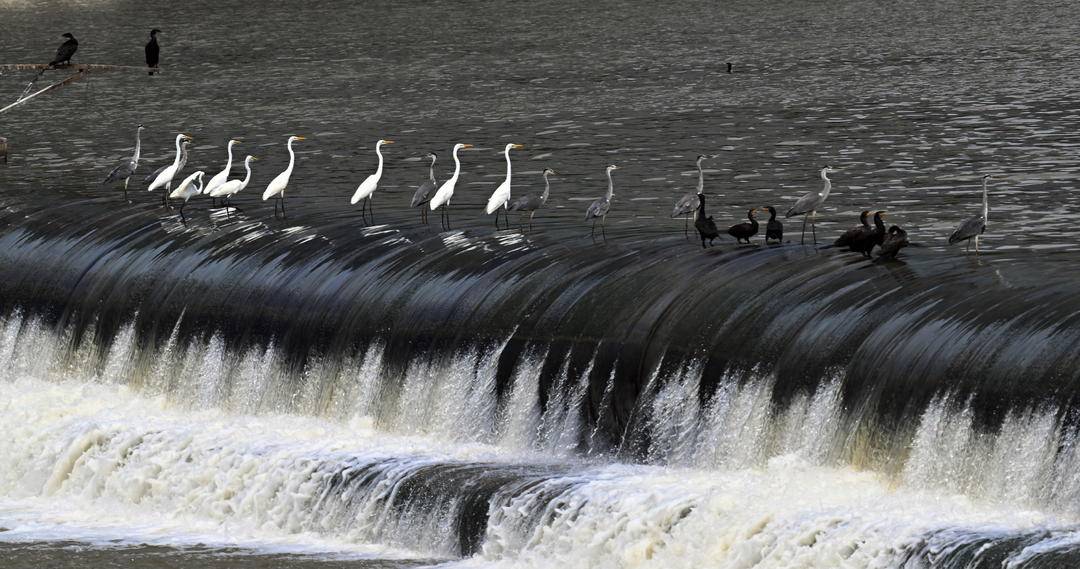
<point x="254" y="158"/>
<point x="466" y="146"/>
<point x="298" y="137"/>
<point x="517" y="146"/>
<point x="387" y="141"/>
<point x="187" y="136"/>
<point x="234" y="141"/>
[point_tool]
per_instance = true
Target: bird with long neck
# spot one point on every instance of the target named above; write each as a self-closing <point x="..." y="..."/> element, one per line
<point x="533" y="202"/>
<point x="973" y="228"/>
<point x="423" y="192"/>
<point x="222" y="176"/>
<point x="600" y="208"/>
<point x="687" y="204"/>
<point x="371" y="183"/>
<point x="446" y="190"/>
<point x="276" y="188"/>
<point x="807" y="205"/>
<point x="165" y="178"/>
<point x="229" y="189"/>
<point x="127" y="169"/>
<point x="500" y="198"/>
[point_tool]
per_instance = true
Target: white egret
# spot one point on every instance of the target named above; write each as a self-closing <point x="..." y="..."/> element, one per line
<point x="500" y="198"/>
<point x="973" y="227"/>
<point x="807" y="205"/>
<point x="423" y="193"/>
<point x="368" y="186"/>
<point x="601" y="207"/>
<point x="688" y="204"/>
<point x="127" y="168"/>
<point x="229" y="189"/>
<point x="446" y="191"/>
<point x="183" y="161"/>
<point x="277" y="186"/>
<point x="186" y="190"/>
<point x="165" y="178"/>
<point x="533" y="202"/>
<point x="222" y="176"/>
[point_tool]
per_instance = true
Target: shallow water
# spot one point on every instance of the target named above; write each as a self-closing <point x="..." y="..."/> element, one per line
<point x="318" y="392"/>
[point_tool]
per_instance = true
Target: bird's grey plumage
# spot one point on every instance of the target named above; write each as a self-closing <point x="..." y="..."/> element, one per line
<point x="533" y="202"/>
<point x="127" y="168"/>
<point x="968" y="229"/>
<point x="600" y="208"/>
<point x="806" y="204"/>
<point x="688" y="203"/>
<point x="427" y="188"/>
<point x="183" y="161"/>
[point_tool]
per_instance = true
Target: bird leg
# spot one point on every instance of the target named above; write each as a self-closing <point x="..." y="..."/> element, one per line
<point x="802" y="240"/>
<point x="531" y="219"/>
<point x="602" y="231"/>
<point x="182" y="218"/>
<point x="592" y="232"/>
<point x="813" y="225"/>
<point x="976" y="244"/>
<point x="496" y="220"/>
<point x="125" y="188"/>
<point x="282" y="204"/>
<point x="371" y="208"/>
<point x="686" y="228"/>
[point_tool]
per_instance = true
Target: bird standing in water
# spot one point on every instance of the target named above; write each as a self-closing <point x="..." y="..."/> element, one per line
<point x="687" y="204"/>
<point x="704" y="224"/>
<point x="446" y="190"/>
<point x="127" y="169"/>
<point x="186" y="190"/>
<point x="152" y="50"/>
<point x="774" y="230"/>
<point x="895" y="240"/>
<point x="276" y="188"/>
<point x="500" y="198"/>
<point x="808" y="204"/>
<point x="849" y="236"/>
<point x="600" y="208"/>
<point x="367" y="188"/>
<point x="165" y="178"/>
<point x="746" y="230"/>
<point x="533" y="202"/>
<point x="973" y="227"/>
<point x="423" y="193"/>
<point x="865" y="242"/>
<point x="65" y="51"/>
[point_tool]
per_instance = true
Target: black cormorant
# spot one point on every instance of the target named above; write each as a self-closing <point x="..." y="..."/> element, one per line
<point x="705" y="226"/>
<point x="744" y="231"/>
<point x="774" y="230"/>
<point x="66" y="50"/>
<point x="895" y="240"/>
<point x="153" y="52"/>
<point x="849" y="236"/>
<point x="866" y="242"/>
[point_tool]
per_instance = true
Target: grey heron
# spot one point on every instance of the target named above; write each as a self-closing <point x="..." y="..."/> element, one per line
<point x="744" y="231"/>
<point x="500" y="198"/>
<point x="705" y="225"/>
<point x="367" y="188"/>
<point x="165" y="178"/>
<point x="774" y="230"/>
<point x="973" y="227"/>
<point x="127" y="168"/>
<point x="65" y="51"/>
<point x="807" y="205"/>
<point x="532" y="202"/>
<point x="849" y="236"/>
<point x="688" y="204"/>
<point x="232" y="187"/>
<point x="600" y="208"/>
<point x="152" y="50"/>
<point x="423" y="193"/>
<point x="186" y="190"/>
<point x="276" y="188"/>
<point x="446" y="190"/>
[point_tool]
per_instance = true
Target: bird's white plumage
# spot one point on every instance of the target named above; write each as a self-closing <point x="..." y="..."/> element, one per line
<point x="281" y="181"/>
<point x="368" y="186"/>
<point x="222" y="176"/>
<point x="446" y="190"/>
<point x="166" y="176"/>
<point x="233" y="187"/>
<point x="501" y="195"/>
<point x="187" y="188"/>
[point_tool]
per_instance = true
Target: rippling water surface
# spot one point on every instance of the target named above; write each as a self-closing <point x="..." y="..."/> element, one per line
<point x="318" y="391"/>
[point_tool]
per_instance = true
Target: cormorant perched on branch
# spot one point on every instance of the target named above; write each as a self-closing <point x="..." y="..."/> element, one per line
<point x="66" y="50"/>
<point x="153" y="52"/>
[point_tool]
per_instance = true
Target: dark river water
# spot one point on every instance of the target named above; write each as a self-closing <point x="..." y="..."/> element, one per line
<point x="322" y="391"/>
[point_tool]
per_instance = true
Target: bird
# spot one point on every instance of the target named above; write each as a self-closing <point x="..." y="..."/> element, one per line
<point x="846" y="239"/>
<point x="746" y="230"/>
<point x="774" y="230"/>
<point x="500" y="198"/>
<point x="165" y="178"/>
<point x="65" y="51"/>
<point x="277" y="186"/>
<point x="368" y="186"/>
<point x="446" y="190"/>
<point x="865" y="242"/>
<point x="232" y="187"/>
<point x="127" y="168"/>
<point x="895" y="240"/>
<point x="808" y="204"/>
<point x="222" y="176"/>
<point x="601" y="207"/>
<point x="705" y="225"/>
<point x="423" y="193"/>
<point x="153" y="51"/>
<point x="687" y="204"/>
<point x="183" y="161"/>
<point x="533" y="202"/>
<point x="186" y="190"/>
<point x="973" y="227"/>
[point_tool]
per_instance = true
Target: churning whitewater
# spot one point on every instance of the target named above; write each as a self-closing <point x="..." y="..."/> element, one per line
<point x="189" y="442"/>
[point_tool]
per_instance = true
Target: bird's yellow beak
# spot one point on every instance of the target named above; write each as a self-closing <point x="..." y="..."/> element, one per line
<point x="254" y="158"/>
<point x="387" y="141"/>
<point x="517" y="146"/>
<point x="234" y="141"/>
<point x="187" y="136"/>
<point x="466" y="146"/>
<point x="298" y="137"/>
